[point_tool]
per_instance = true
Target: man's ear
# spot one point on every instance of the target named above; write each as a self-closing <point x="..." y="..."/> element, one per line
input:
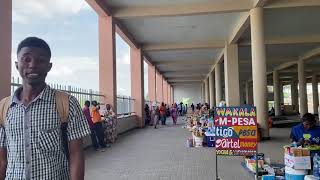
<point x="16" y="64"/>
<point x="49" y="67"/>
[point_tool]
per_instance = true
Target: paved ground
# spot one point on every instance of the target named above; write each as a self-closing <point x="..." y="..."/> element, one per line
<point x="161" y="154"/>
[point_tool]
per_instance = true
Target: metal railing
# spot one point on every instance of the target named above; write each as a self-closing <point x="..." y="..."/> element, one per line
<point x="125" y="105"/>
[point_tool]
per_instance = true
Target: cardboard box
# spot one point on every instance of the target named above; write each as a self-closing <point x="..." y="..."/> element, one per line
<point x="297" y="152"/>
<point x="302" y="162"/>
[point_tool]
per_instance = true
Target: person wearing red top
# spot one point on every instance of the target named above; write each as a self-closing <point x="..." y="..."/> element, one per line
<point x="163" y="114"/>
<point x="86" y="112"/>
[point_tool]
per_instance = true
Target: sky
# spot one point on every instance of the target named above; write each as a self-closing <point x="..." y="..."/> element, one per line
<point x="71" y="29"/>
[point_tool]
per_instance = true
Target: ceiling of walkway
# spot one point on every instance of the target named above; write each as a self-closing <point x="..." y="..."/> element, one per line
<point x="184" y="39"/>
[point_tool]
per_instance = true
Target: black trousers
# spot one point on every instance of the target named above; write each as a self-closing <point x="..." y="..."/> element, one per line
<point x="94" y="139"/>
<point x="98" y="129"/>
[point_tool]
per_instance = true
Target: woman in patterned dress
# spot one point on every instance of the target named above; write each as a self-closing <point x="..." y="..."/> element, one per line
<point x="111" y="124"/>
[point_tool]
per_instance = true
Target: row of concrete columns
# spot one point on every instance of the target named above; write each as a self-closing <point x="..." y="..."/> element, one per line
<point x="158" y="88"/>
<point x="212" y="86"/>
<point x="295" y="94"/>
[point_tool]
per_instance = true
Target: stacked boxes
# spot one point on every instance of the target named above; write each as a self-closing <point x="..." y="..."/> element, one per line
<point x="297" y="158"/>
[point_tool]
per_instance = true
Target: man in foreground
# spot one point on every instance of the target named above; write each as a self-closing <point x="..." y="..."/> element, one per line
<point x="34" y="141"/>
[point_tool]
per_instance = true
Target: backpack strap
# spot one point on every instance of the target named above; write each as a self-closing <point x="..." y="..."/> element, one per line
<point x="4" y="107"/>
<point x="62" y="103"/>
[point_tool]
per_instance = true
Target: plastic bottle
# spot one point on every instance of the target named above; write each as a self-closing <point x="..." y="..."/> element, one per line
<point x="316" y="166"/>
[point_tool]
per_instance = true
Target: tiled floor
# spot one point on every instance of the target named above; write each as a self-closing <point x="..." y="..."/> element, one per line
<point x="161" y="154"/>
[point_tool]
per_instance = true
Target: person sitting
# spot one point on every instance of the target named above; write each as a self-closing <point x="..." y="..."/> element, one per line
<point x="306" y="133"/>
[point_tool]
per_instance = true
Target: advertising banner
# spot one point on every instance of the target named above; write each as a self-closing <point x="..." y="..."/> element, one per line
<point x="236" y="131"/>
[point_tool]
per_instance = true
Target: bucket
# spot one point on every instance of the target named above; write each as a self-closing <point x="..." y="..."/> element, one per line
<point x="198" y="141"/>
<point x="293" y="174"/>
<point x="189" y="142"/>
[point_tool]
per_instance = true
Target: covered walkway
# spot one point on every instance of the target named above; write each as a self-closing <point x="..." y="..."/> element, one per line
<point x="159" y="154"/>
<point x="216" y="50"/>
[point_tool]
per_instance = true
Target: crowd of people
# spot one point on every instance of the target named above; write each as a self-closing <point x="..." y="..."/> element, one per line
<point x="159" y="113"/>
<point x="102" y="124"/>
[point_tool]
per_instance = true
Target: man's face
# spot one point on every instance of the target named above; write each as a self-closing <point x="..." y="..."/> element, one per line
<point x="33" y="65"/>
<point x="308" y="125"/>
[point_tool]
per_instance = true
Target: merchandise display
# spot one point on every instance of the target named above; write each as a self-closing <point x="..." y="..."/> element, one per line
<point x="233" y="131"/>
<point x="201" y="128"/>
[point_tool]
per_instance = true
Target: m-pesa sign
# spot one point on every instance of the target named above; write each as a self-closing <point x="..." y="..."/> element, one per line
<point x="235" y="130"/>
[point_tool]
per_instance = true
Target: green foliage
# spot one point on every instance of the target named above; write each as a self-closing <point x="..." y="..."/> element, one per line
<point x="186" y="101"/>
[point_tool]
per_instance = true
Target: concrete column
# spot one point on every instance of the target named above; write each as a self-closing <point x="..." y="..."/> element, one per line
<point x="251" y="95"/>
<point x="294" y="95"/>
<point x="281" y="92"/>
<point x="168" y="92"/>
<point x="206" y="88"/>
<point x="152" y="83"/>
<point x="243" y="94"/>
<point x="137" y="84"/>
<point x="212" y="89"/>
<point x="315" y="93"/>
<point x="5" y="50"/>
<point x="218" y="82"/>
<point x="159" y="89"/>
<point x="247" y="92"/>
<point x="203" y="97"/>
<point x="172" y="95"/>
<point x="259" y="69"/>
<point x="162" y="84"/>
<point x="165" y="91"/>
<point x="107" y="61"/>
<point x="276" y="92"/>
<point x="231" y="74"/>
<point x="302" y="89"/>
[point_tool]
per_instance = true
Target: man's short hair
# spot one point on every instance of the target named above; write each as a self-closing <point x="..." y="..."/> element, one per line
<point x="87" y="103"/>
<point x="308" y="117"/>
<point x="94" y="103"/>
<point x="34" y="42"/>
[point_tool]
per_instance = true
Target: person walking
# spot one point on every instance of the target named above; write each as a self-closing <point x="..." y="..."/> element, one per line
<point x="192" y="107"/>
<point x="147" y="114"/>
<point x="181" y="109"/>
<point x="42" y="129"/>
<point x="155" y="115"/>
<point x="163" y="114"/>
<point x="86" y="112"/>
<point x="97" y="124"/>
<point x="174" y="114"/>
